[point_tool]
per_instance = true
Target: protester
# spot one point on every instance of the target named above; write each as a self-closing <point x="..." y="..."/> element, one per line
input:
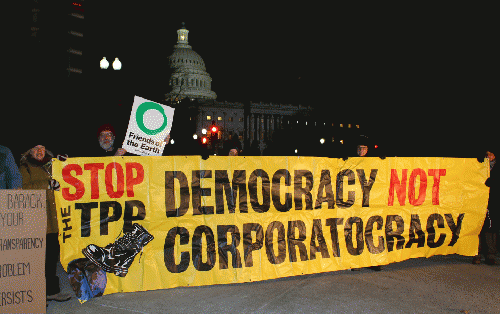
<point x="36" y="171"/>
<point x="233" y="152"/>
<point x="362" y="151"/>
<point x="106" y="136"/>
<point x="10" y="178"/>
<point x="488" y="235"/>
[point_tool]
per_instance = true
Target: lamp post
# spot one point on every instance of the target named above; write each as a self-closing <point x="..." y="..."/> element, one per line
<point x="114" y="92"/>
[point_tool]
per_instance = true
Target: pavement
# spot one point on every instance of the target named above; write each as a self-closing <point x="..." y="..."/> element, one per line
<point x="440" y="284"/>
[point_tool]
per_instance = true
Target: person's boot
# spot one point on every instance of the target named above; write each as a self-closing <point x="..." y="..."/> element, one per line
<point x="118" y="256"/>
<point x="490" y="260"/>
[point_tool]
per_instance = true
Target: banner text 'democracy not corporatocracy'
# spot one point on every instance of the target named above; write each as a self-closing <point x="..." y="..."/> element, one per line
<point x="239" y="219"/>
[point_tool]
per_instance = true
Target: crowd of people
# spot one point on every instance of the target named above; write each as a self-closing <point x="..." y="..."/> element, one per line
<point x="35" y="172"/>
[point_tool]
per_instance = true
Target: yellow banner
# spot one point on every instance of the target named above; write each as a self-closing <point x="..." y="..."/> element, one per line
<point x="162" y="222"/>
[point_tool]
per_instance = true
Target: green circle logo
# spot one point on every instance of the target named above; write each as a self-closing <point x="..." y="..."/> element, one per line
<point x="139" y="117"/>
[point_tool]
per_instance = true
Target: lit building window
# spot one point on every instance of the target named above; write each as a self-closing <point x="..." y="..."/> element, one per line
<point x="209" y="117"/>
<point x="341" y="125"/>
<point x="219" y="118"/>
<point x="357" y="126"/>
<point x="349" y="125"/>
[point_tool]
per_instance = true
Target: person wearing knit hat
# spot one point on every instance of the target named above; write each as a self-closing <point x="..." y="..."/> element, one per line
<point x="106" y="127"/>
<point x="491" y="226"/>
<point x="106" y="136"/>
<point x="36" y="171"/>
<point x="362" y="151"/>
<point x="362" y="148"/>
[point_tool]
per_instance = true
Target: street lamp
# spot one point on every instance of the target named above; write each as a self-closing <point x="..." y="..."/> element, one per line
<point x="117" y="65"/>
<point x="322" y="141"/>
<point x="195" y="136"/>
<point x="104" y="63"/>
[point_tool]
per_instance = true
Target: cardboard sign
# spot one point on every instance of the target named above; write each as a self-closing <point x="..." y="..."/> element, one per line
<point x="23" y="224"/>
<point x="149" y="125"/>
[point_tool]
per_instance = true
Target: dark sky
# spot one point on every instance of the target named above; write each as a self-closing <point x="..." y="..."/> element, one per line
<point x="417" y="76"/>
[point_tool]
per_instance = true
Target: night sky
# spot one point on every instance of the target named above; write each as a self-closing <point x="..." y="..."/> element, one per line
<point x="417" y="77"/>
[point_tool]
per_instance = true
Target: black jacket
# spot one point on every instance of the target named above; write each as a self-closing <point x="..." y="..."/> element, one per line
<point x="494" y="200"/>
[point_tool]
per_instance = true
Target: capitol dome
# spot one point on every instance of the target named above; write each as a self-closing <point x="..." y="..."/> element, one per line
<point x="189" y="75"/>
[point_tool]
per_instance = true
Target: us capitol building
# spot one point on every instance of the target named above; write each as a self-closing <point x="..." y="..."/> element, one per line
<point x="252" y="123"/>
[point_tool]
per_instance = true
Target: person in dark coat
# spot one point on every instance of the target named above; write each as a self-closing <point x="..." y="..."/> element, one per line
<point x="491" y="226"/>
<point x="10" y="178"/>
<point x="36" y="171"/>
<point x="362" y="151"/>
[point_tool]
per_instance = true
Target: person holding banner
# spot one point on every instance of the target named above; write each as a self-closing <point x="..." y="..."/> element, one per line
<point x="10" y="178"/>
<point x="36" y="172"/>
<point x="362" y="151"/>
<point x="488" y="235"/>
<point x="106" y="136"/>
<point x="233" y="152"/>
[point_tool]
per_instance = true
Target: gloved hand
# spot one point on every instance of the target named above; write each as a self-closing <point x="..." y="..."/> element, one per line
<point x="54" y="185"/>
<point x="62" y="157"/>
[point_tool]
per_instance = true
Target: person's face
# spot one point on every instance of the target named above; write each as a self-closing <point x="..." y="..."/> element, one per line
<point x="490" y="156"/>
<point x="38" y="152"/>
<point x="106" y="139"/>
<point x="362" y="150"/>
<point x="233" y="152"/>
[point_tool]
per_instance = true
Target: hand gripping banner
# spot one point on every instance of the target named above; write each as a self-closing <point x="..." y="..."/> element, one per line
<point x="144" y="223"/>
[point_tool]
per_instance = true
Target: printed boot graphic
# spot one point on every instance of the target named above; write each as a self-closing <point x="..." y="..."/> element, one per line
<point x="118" y="256"/>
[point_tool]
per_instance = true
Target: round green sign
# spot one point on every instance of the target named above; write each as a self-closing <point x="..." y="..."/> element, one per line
<point x="139" y="117"/>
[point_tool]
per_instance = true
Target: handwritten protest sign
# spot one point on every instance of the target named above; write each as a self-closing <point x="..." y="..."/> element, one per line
<point x="23" y="223"/>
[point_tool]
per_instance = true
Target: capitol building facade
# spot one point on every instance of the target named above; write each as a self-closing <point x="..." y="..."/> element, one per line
<point x="253" y="124"/>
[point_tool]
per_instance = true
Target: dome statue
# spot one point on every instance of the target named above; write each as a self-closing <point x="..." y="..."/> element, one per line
<point x="189" y="75"/>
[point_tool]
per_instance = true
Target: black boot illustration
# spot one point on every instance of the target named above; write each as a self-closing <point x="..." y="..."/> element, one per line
<point x="118" y="256"/>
